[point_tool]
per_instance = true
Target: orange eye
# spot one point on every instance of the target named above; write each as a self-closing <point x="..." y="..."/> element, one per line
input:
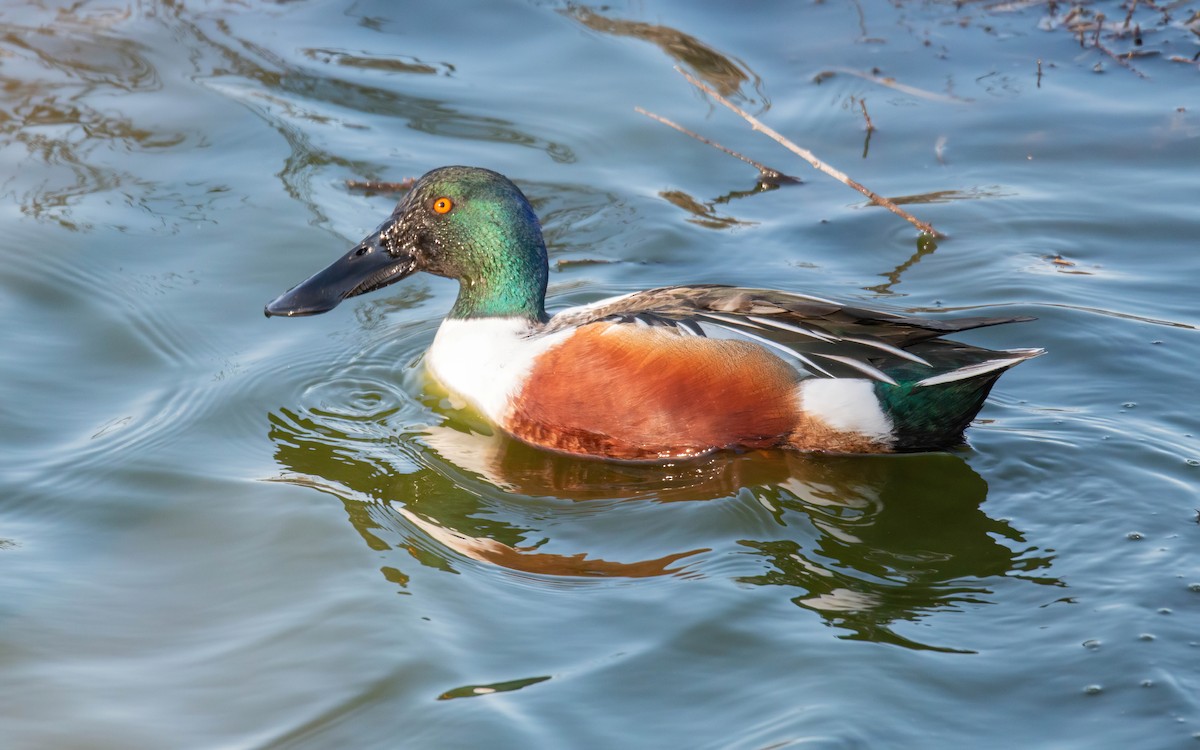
<point x="443" y="205"/>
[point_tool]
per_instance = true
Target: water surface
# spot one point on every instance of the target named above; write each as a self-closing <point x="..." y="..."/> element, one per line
<point x="218" y="530"/>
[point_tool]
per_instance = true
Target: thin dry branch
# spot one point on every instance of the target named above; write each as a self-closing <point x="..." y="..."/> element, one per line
<point x="870" y="125"/>
<point x="892" y="83"/>
<point x="811" y="158"/>
<point x="1123" y="61"/>
<point x="375" y="186"/>
<point x="766" y="174"/>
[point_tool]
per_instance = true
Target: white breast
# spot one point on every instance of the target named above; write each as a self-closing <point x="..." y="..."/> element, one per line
<point x="485" y="361"/>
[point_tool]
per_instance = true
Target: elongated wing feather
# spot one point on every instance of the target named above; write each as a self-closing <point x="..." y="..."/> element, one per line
<point x="861" y="340"/>
<point x="812" y="316"/>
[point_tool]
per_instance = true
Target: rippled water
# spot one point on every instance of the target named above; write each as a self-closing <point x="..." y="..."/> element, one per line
<point x="218" y="530"/>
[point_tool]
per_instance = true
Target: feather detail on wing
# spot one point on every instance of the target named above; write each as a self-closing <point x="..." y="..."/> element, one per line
<point x="827" y="338"/>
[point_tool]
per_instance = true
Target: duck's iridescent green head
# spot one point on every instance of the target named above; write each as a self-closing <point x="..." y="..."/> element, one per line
<point x="465" y="223"/>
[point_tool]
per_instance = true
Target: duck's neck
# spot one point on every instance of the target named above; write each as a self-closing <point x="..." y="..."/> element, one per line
<point x="506" y="284"/>
<point x="491" y="298"/>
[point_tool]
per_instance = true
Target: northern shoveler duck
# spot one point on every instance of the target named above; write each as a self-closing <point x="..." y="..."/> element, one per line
<point x="661" y="374"/>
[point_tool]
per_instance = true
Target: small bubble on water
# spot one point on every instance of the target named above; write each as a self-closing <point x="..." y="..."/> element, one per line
<point x="1092" y="644"/>
<point x="1093" y="690"/>
<point x="1194" y="588"/>
<point x="1129" y="405"/>
<point x="1164" y="611"/>
<point x="1146" y="637"/>
<point x="1193" y="462"/>
<point x="1147" y="683"/>
<point x="1134" y="536"/>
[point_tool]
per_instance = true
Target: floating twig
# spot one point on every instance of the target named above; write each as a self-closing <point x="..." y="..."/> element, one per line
<point x="1017" y="5"/>
<point x="1039" y="77"/>
<point x="1129" y="15"/>
<point x="892" y="83"/>
<point x="375" y="186"/>
<point x="863" y="104"/>
<point x="766" y="175"/>
<point x="1122" y="61"/>
<point x="810" y="157"/>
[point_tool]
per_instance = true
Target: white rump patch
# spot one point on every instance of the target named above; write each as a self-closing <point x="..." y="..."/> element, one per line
<point x="846" y="405"/>
<point x="485" y="360"/>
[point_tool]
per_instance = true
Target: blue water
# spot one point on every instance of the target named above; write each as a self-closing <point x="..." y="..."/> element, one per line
<point x="218" y="530"/>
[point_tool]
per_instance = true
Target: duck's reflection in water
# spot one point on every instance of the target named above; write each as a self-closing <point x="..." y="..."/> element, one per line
<point x="866" y="542"/>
